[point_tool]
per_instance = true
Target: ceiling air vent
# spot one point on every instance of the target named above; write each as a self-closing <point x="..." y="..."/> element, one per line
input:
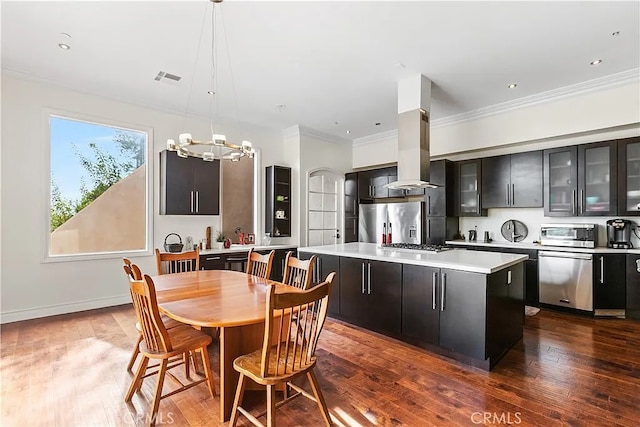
<point x="167" y="77"/>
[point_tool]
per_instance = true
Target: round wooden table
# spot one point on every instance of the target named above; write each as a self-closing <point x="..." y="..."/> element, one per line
<point x="233" y="301"/>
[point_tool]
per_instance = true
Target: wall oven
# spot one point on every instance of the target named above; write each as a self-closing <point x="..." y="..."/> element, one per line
<point x="566" y="278"/>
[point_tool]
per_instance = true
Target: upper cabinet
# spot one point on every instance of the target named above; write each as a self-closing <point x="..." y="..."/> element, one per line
<point x="581" y="181"/>
<point x="512" y="181"/>
<point x="371" y="183"/>
<point x="629" y="177"/>
<point x="468" y="185"/>
<point x="188" y="186"/>
<point x="278" y="201"/>
<point x="351" y="207"/>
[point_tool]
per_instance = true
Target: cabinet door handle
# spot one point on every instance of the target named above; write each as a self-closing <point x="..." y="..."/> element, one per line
<point x="443" y="290"/>
<point x="602" y="269"/>
<point x="355" y="227"/>
<point x="638" y="265"/>
<point x="192" y="201"/>
<point x="369" y="278"/>
<point x="213" y="258"/>
<point x="197" y="201"/>
<point x="428" y="228"/>
<point x="362" y="278"/>
<point x="581" y="202"/>
<point x="434" y="279"/>
<point x="429" y="205"/>
<point x="354" y="207"/>
<point x="507" y="195"/>
<point x="513" y="194"/>
<point x="478" y="203"/>
<point x="573" y="201"/>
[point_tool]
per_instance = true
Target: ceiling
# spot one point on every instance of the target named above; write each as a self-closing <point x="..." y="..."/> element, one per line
<point x="333" y="65"/>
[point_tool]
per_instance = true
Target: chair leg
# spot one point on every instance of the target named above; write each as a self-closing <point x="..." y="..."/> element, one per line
<point x="271" y="406"/>
<point x="242" y="381"/>
<point x="207" y="369"/>
<point x="134" y="354"/>
<point x="186" y="359"/>
<point x="311" y="375"/>
<point x="137" y="380"/>
<point x="158" y="395"/>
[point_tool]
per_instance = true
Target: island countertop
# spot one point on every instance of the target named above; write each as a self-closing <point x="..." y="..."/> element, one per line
<point x="454" y="259"/>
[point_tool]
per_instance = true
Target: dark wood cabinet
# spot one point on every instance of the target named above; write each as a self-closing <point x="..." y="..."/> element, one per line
<point x="371" y="183"/>
<point x="629" y="177"/>
<point x="370" y="294"/>
<point x="513" y="180"/>
<point x="188" y="186"/>
<point x="462" y="312"/>
<point x="581" y="180"/>
<point x="609" y="282"/>
<point x="633" y="286"/>
<point x="468" y="184"/>
<point x="597" y="179"/>
<point x="326" y="264"/>
<point x="505" y="310"/>
<point x="351" y="207"/>
<point x="441" y="222"/>
<point x="278" y="201"/>
<point x="420" y="304"/>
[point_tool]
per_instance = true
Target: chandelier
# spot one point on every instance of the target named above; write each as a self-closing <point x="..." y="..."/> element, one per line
<point x="218" y="147"/>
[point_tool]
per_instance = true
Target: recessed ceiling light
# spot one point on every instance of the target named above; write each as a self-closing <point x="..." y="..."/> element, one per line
<point x="347" y="131"/>
<point x="210" y="92"/>
<point x="64" y="46"/>
<point x="615" y="33"/>
<point x="596" y="62"/>
<point x="512" y="86"/>
<point x="281" y="107"/>
<point x="377" y="123"/>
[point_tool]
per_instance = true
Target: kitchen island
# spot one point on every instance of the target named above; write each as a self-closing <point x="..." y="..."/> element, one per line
<point x="466" y="305"/>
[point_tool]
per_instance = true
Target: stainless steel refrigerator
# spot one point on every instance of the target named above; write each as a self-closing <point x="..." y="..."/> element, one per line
<point x="405" y="219"/>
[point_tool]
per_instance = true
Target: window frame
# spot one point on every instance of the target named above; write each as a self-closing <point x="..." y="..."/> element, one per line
<point x="49" y="113"/>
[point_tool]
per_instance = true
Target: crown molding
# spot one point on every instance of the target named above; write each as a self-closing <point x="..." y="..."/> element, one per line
<point x="377" y="137"/>
<point x="305" y="131"/>
<point x="291" y="132"/>
<point x="589" y="86"/>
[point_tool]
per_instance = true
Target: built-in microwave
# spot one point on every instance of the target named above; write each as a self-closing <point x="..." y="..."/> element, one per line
<point x="574" y="235"/>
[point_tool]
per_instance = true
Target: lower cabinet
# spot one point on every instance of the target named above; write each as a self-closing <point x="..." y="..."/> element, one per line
<point x="472" y="314"/>
<point x="326" y="264"/>
<point x="370" y="294"/>
<point x="633" y="286"/>
<point x="219" y="261"/>
<point x="609" y="282"/>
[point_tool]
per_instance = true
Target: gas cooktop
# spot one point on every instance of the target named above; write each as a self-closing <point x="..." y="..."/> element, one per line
<point x="416" y="246"/>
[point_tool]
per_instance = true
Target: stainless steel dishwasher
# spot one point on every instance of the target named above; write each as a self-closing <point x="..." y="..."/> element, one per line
<point x="566" y="279"/>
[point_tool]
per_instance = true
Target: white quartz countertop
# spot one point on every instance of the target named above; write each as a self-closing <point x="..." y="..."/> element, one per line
<point x="245" y="248"/>
<point x="538" y="247"/>
<point x="454" y="259"/>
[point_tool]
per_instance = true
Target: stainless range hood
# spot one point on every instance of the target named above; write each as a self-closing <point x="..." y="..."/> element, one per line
<point x="414" y="99"/>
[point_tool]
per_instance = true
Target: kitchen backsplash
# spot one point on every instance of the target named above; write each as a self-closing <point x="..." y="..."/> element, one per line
<point x="533" y="218"/>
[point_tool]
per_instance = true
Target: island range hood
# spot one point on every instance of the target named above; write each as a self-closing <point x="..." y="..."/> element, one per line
<point x="414" y="100"/>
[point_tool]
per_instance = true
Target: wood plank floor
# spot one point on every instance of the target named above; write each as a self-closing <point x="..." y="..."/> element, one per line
<point x="70" y="371"/>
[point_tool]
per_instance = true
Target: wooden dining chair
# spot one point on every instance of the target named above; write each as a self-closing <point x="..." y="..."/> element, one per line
<point x="298" y="273"/>
<point x="259" y="265"/>
<point x="168" y="262"/>
<point x="171" y="347"/>
<point x="293" y="353"/>
<point x="133" y="272"/>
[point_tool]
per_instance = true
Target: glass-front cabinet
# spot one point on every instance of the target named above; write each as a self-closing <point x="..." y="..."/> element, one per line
<point x="560" y="181"/>
<point x="581" y="180"/>
<point x="597" y="189"/>
<point x="468" y="189"/>
<point x="629" y="177"/>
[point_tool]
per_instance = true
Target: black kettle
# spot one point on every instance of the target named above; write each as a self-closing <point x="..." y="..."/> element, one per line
<point x="473" y="235"/>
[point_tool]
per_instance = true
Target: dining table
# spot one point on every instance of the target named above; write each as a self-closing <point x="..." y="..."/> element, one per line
<point x="233" y="301"/>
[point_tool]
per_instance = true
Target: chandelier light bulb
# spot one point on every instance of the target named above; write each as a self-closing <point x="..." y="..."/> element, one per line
<point x="171" y="145"/>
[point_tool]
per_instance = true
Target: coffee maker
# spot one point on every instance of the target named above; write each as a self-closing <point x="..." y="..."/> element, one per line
<point x="619" y="233"/>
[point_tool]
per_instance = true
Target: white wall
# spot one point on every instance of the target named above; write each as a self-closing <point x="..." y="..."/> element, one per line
<point x="586" y="115"/>
<point x="32" y="288"/>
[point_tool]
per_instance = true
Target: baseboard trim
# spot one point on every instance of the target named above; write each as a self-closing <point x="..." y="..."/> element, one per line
<point x="53" y="310"/>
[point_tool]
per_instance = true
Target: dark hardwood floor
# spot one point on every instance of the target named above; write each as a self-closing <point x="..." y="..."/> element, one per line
<point x="70" y="370"/>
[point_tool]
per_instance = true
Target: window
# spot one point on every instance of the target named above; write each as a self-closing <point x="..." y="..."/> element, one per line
<point x="324" y="203"/>
<point x="99" y="189"/>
